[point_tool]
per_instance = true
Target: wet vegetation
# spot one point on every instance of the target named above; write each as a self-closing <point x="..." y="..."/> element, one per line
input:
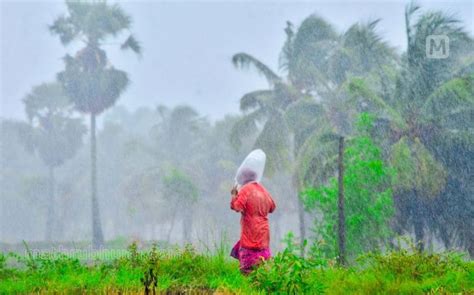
<point x="369" y="150"/>
<point x="187" y="271"/>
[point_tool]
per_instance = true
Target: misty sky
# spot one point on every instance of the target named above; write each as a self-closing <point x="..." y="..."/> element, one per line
<point x="187" y="46"/>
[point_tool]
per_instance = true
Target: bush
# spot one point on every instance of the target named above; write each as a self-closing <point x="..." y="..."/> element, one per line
<point x="367" y="197"/>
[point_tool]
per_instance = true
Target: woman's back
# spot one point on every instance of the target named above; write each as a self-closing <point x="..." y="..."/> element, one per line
<point x="254" y="202"/>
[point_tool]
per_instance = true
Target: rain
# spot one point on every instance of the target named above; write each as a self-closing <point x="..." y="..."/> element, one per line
<point x="125" y="128"/>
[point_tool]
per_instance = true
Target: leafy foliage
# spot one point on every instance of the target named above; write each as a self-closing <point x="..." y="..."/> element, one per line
<point x="368" y="199"/>
<point x="89" y="79"/>
<point x="431" y="102"/>
<point x="179" y="185"/>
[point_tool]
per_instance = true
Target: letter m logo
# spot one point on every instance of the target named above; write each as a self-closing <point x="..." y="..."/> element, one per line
<point x="437" y="46"/>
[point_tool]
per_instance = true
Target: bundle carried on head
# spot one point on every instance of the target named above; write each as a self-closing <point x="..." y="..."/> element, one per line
<point x="251" y="168"/>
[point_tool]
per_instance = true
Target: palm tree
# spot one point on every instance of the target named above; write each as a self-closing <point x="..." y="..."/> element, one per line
<point x="54" y="135"/>
<point x="179" y="135"/>
<point x="297" y="110"/>
<point x="89" y="79"/>
<point x="432" y="101"/>
<point x="268" y="107"/>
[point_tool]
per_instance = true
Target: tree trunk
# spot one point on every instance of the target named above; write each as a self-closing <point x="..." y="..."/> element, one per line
<point x="418" y="223"/>
<point x="97" y="236"/>
<point x="50" y="217"/>
<point x="170" y="230"/>
<point x="419" y="235"/>
<point x="300" y="204"/>
<point x="302" y="223"/>
<point x="187" y="227"/>
<point x="341" y="231"/>
<point x="470" y="248"/>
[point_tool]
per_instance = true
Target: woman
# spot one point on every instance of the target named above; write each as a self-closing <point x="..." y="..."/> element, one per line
<point x="254" y="203"/>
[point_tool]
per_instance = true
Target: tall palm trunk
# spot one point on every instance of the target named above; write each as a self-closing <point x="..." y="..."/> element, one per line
<point x="97" y="236"/>
<point x="419" y="234"/>
<point x="302" y="224"/>
<point x="341" y="231"/>
<point x="50" y="217"/>
<point x="418" y="223"/>
<point x="300" y="204"/>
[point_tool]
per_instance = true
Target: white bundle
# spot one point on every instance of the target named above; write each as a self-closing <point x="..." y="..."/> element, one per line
<point x="254" y="164"/>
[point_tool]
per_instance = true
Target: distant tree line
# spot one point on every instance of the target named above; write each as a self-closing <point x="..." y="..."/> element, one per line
<point x="162" y="168"/>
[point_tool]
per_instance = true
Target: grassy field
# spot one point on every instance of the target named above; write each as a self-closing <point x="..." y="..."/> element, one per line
<point x="187" y="271"/>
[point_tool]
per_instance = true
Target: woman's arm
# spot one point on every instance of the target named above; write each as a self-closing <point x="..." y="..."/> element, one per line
<point x="272" y="203"/>
<point x="237" y="202"/>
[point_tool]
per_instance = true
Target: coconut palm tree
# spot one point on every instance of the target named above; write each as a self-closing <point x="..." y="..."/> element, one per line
<point x="54" y="135"/>
<point x="268" y="107"/>
<point x="302" y="106"/>
<point x="89" y="79"/>
<point x="433" y="101"/>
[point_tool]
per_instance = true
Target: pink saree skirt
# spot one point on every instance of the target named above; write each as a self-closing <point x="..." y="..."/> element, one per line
<point x="249" y="258"/>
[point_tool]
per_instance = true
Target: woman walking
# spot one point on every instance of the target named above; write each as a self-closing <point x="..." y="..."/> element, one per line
<point x="254" y="203"/>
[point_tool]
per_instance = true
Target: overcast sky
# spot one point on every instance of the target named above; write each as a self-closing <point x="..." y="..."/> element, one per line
<point x="187" y="46"/>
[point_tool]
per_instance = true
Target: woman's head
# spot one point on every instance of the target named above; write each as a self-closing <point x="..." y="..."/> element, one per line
<point x="246" y="175"/>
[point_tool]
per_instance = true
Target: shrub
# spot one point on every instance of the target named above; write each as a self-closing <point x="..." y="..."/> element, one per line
<point x="368" y="199"/>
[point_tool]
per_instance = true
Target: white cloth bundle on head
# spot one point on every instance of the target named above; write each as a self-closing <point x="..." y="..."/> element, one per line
<point x="251" y="168"/>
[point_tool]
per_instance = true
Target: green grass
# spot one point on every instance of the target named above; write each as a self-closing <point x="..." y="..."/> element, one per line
<point x="185" y="270"/>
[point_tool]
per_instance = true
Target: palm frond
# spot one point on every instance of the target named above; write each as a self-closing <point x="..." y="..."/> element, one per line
<point x="316" y="160"/>
<point x="252" y="100"/>
<point x="303" y="112"/>
<point x="244" y="61"/>
<point x="451" y="99"/>
<point x="427" y="74"/>
<point x="313" y="29"/>
<point x="313" y="42"/>
<point x="303" y="117"/>
<point x="274" y="139"/>
<point x="466" y="64"/>
<point x="415" y="168"/>
<point x="92" y="91"/>
<point x="286" y="54"/>
<point x="66" y="31"/>
<point x="245" y="126"/>
<point x="95" y="21"/>
<point x="367" y="48"/>
<point x="410" y="11"/>
<point x="361" y="93"/>
<point x="133" y="44"/>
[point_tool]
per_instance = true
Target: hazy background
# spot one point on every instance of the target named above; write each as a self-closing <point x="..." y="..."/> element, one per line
<point x="187" y="45"/>
<point x="168" y="150"/>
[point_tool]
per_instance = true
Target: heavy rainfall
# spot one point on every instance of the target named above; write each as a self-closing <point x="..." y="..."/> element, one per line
<point x="125" y="125"/>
